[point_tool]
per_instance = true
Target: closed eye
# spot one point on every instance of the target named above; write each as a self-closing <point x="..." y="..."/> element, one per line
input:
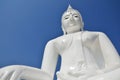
<point x="76" y="16"/>
<point x="66" y="17"/>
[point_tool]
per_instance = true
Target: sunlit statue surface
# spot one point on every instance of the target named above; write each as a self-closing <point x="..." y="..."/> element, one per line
<point x="85" y="55"/>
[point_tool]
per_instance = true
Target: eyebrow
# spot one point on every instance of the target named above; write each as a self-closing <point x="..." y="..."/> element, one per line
<point x="66" y="15"/>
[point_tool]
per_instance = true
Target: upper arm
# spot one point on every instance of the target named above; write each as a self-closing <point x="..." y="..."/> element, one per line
<point x="109" y="52"/>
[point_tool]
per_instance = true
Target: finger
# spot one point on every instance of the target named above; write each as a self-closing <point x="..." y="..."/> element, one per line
<point x="16" y="75"/>
<point x="6" y="75"/>
<point x="1" y="74"/>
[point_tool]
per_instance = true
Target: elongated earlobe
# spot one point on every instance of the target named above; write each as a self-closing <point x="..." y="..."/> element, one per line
<point x="82" y="28"/>
<point x="64" y="32"/>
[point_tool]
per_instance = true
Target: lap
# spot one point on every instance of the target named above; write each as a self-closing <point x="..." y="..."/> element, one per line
<point x="111" y="75"/>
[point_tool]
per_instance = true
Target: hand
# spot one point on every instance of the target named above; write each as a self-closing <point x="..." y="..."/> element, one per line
<point x="11" y="72"/>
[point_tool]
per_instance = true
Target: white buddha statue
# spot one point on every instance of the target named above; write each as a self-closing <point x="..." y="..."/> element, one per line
<point x="85" y="55"/>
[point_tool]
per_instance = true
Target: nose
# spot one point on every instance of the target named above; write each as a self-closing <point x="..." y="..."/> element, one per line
<point x="71" y="18"/>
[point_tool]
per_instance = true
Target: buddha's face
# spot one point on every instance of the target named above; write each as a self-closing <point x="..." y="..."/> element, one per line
<point x="71" y="21"/>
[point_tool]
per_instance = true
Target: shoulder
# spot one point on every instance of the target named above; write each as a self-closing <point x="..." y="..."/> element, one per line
<point x="93" y="35"/>
<point x="60" y="43"/>
<point x="55" y="41"/>
<point x="52" y="41"/>
<point x="96" y="33"/>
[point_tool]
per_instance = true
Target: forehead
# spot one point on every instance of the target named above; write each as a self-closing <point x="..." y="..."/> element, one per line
<point x="71" y="12"/>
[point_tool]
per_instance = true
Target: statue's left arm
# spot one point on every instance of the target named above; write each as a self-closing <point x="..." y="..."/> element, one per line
<point x="111" y="56"/>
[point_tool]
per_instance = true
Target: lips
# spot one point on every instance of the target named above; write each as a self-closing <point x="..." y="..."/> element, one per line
<point x="72" y="24"/>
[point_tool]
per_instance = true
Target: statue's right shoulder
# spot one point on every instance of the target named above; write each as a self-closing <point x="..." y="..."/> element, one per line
<point x="58" y="39"/>
<point x="52" y="41"/>
<point x="60" y="43"/>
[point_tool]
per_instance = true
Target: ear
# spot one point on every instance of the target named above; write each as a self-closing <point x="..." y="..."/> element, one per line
<point x="81" y="21"/>
<point x="82" y="27"/>
<point x="64" y="32"/>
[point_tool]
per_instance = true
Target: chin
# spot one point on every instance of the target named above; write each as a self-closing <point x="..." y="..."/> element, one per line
<point x="73" y="31"/>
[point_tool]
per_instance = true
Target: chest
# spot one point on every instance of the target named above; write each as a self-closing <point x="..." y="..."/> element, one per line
<point x="76" y="41"/>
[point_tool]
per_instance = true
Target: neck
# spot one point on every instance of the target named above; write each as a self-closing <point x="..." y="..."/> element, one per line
<point x="74" y="32"/>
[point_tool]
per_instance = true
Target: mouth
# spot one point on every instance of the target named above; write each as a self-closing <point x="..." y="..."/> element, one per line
<point x="72" y="24"/>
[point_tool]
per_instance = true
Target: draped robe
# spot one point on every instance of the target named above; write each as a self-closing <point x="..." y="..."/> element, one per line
<point x="82" y="54"/>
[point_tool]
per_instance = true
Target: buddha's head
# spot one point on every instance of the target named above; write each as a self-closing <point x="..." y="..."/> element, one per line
<point x="71" y="21"/>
